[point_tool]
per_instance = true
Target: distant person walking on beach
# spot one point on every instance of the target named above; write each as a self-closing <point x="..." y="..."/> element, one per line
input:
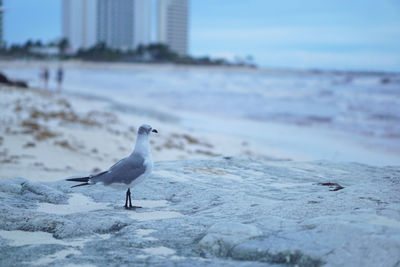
<point x="45" y="75"/>
<point x="59" y="78"/>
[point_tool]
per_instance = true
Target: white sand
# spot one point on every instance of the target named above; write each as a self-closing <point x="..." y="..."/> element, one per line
<point x="47" y="137"/>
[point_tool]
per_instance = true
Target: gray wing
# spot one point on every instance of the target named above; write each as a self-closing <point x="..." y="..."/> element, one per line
<point x="124" y="171"/>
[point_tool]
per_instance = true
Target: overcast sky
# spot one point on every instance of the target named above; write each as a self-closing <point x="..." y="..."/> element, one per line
<point x="340" y="34"/>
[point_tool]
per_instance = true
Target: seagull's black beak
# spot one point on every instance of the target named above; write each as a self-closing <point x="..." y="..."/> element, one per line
<point x="154" y="131"/>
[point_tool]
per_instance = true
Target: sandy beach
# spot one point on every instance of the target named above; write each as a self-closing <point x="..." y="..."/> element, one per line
<point x="47" y="136"/>
<point x="202" y="112"/>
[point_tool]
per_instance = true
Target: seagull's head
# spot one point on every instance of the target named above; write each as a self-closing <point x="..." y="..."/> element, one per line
<point x="146" y="129"/>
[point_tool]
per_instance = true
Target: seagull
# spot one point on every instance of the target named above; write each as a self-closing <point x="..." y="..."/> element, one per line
<point x="128" y="171"/>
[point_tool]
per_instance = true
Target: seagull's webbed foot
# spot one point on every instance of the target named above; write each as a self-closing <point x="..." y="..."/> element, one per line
<point x="133" y="207"/>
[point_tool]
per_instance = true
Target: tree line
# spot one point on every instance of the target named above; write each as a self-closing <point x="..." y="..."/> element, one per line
<point x="156" y="52"/>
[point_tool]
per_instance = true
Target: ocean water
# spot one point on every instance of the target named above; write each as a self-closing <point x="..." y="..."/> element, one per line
<point x="363" y="104"/>
<point x="358" y="107"/>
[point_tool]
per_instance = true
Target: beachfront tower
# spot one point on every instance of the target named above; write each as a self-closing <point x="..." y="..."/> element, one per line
<point x="173" y="24"/>
<point x="141" y="22"/>
<point x="79" y="19"/>
<point x="1" y="24"/>
<point x="122" y="24"/>
<point x="115" y="23"/>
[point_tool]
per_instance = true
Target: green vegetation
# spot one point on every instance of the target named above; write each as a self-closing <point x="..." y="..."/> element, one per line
<point x="152" y="53"/>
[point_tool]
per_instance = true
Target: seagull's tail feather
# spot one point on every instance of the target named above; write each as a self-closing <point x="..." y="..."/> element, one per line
<point x="82" y="179"/>
<point x="80" y="185"/>
<point x="85" y="181"/>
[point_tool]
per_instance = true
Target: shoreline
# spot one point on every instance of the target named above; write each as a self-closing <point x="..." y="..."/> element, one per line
<point x="167" y="65"/>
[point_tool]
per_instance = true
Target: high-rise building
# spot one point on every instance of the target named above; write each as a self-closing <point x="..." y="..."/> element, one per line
<point x="141" y="22"/>
<point x="122" y="24"/>
<point x="1" y="24"/>
<point x="80" y="23"/>
<point x="173" y="24"/>
<point x="115" y="23"/>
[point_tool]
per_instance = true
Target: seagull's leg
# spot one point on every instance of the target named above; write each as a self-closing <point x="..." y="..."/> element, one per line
<point x="130" y="203"/>
<point x="128" y="194"/>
